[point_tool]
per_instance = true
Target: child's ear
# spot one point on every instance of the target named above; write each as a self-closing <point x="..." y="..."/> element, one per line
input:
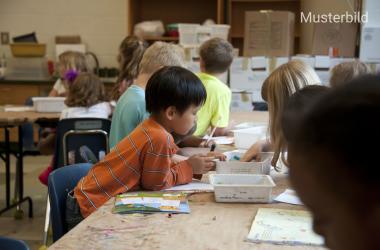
<point x="170" y="112"/>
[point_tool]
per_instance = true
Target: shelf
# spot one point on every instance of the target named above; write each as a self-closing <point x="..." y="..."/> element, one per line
<point x="264" y="1"/>
<point x="161" y="38"/>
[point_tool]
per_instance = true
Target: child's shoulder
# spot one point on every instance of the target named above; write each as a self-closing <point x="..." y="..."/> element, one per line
<point x="154" y="132"/>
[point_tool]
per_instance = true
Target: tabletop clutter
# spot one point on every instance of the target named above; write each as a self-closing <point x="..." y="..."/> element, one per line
<point x="234" y="182"/>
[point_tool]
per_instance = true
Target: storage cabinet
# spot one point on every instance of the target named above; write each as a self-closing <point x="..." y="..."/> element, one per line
<point x="236" y="14"/>
<point x="174" y="11"/>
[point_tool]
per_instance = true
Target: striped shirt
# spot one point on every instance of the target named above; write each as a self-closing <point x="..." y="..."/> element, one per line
<point x="142" y="160"/>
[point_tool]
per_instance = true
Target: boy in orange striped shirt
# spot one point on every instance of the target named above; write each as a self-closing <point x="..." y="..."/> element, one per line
<point x="143" y="159"/>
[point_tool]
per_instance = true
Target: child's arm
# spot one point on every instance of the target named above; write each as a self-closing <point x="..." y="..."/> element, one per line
<point x="160" y="171"/>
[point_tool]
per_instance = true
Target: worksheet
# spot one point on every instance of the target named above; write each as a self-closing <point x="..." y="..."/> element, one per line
<point x="284" y="227"/>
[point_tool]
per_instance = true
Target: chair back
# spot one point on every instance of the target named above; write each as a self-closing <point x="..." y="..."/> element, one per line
<point x="73" y="134"/>
<point x="12" y="244"/>
<point x="61" y="182"/>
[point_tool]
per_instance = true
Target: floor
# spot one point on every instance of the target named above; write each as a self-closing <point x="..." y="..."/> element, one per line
<point x="29" y="230"/>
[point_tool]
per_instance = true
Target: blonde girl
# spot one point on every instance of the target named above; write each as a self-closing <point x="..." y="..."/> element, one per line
<point x="276" y="90"/>
<point x="131" y="51"/>
<point x="69" y="61"/>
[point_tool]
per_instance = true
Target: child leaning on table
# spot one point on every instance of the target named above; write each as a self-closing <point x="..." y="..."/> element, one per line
<point x="143" y="159"/>
<point x="86" y="98"/>
<point x="334" y="169"/>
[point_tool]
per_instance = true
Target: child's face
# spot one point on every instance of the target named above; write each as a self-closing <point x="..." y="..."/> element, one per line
<point x="342" y="226"/>
<point x="182" y="123"/>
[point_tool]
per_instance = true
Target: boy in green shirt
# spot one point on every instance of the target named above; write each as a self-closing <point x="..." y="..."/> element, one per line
<point x="216" y="56"/>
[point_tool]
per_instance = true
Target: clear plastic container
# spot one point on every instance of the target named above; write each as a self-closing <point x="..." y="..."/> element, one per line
<point x="234" y="166"/>
<point x="49" y="104"/>
<point x="242" y="188"/>
<point x="245" y="138"/>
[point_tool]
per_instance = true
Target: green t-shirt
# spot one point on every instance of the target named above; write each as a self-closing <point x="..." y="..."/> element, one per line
<point x="216" y="110"/>
<point x="130" y="111"/>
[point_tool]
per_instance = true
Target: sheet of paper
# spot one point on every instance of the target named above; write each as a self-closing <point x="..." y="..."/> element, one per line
<point x="289" y="196"/>
<point x="221" y="140"/>
<point x="195" y="186"/>
<point x="18" y="109"/>
<point x="284" y="227"/>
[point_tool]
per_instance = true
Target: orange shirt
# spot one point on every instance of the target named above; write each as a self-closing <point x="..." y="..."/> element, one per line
<point x="140" y="160"/>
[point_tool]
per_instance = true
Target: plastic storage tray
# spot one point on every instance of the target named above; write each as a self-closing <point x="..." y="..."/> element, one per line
<point x="232" y="166"/>
<point x="49" y="104"/>
<point x="245" y="138"/>
<point x="28" y="49"/>
<point x="242" y="188"/>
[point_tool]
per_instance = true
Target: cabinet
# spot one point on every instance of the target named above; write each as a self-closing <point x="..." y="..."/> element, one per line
<point x="174" y="11"/>
<point x="236" y="13"/>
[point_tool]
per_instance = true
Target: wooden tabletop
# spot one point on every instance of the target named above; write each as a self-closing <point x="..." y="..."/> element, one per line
<point x="210" y="225"/>
<point x="17" y="118"/>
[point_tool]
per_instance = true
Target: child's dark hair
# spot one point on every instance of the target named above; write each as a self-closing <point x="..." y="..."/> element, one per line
<point x="86" y="91"/>
<point x="342" y="126"/>
<point x="173" y="86"/>
<point x="297" y="105"/>
<point x="217" y="55"/>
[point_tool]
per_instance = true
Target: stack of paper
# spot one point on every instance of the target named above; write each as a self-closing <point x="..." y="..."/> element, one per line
<point x="287" y="227"/>
<point x="151" y="203"/>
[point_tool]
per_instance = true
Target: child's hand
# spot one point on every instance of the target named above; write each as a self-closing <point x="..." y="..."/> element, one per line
<point x="253" y="152"/>
<point x="201" y="164"/>
<point x="217" y="155"/>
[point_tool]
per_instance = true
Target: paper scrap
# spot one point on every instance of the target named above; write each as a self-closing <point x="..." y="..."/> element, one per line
<point x="221" y="140"/>
<point x="19" y="109"/>
<point x="284" y="227"/>
<point x="195" y="186"/>
<point x="289" y="196"/>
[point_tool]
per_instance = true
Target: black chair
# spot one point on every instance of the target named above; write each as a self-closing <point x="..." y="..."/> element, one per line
<point x="78" y="140"/>
<point x="73" y="134"/>
<point x="61" y="182"/>
<point x="12" y="244"/>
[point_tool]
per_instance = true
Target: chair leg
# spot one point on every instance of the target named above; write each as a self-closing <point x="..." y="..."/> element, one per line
<point x="47" y="222"/>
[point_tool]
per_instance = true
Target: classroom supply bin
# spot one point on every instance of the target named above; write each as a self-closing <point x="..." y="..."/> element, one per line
<point x="49" y="104"/>
<point x="247" y="188"/>
<point x="234" y="166"/>
<point x="245" y="138"/>
<point x="28" y="49"/>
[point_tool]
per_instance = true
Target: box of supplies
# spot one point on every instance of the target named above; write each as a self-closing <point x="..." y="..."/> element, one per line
<point x="246" y="188"/>
<point x="233" y="165"/>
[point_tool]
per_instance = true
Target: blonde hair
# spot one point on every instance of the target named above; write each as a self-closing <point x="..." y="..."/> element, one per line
<point x="73" y="60"/>
<point x="276" y="90"/>
<point x="86" y="91"/>
<point x="161" y="54"/>
<point x="131" y="51"/>
<point x="347" y="71"/>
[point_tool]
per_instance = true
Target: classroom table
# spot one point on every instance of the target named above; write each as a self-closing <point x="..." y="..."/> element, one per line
<point x="210" y="225"/>
<point x="17" y="119"/>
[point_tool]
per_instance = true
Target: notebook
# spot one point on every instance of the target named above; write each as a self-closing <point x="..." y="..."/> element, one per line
<point x="284" y="227"/>
<point x="154" y="202"/>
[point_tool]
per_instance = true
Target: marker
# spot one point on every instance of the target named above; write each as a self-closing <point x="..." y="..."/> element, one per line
<point x="213" y="146"/>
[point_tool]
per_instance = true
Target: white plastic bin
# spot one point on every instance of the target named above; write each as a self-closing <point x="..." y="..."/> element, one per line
<point x="220" y="30"/>
<point x="234" y="166"/>
<point x="245" y="138"/>
<point x="242" y="188"/>
<point x="188" y="34"/>
<point x="49" y="104"/>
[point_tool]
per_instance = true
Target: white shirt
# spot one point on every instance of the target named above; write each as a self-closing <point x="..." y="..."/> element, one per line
<point x="100" y="110"/>
<point x="59" y="87"/>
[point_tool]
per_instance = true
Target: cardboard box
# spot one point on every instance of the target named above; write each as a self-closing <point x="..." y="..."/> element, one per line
<point x="269" y="33"/>
<point x="337" y="35"/>
<point x="369" y="45"/>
